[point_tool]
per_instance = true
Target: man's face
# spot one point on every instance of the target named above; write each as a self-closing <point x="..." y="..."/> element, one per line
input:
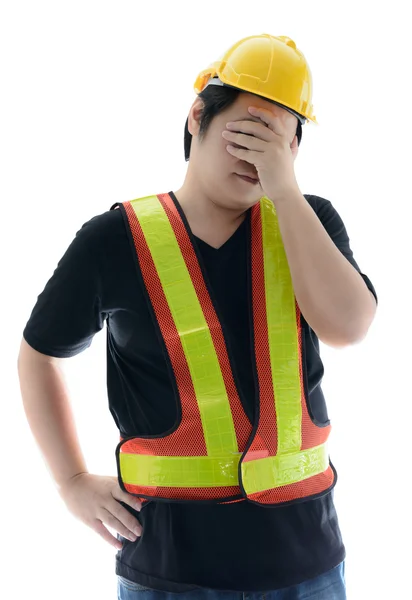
<point x="218" y="171"/>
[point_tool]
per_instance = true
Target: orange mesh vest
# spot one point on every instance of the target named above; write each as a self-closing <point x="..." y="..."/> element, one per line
<point x="215" y="453"/>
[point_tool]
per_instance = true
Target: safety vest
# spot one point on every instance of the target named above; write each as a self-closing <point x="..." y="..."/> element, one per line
<point x="215" y="453"/>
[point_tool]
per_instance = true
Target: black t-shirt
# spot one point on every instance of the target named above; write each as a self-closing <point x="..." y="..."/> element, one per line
<point x="240" y="546"/>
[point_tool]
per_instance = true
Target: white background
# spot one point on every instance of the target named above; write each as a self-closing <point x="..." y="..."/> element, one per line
<point x="94" y="96"/>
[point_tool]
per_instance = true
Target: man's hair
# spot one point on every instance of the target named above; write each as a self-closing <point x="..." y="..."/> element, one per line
<point x="216" y="99"/>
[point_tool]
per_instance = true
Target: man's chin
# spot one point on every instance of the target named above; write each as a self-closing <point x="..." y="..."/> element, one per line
<point x="244" y="204"/>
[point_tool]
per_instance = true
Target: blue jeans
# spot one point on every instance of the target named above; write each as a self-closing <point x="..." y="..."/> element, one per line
<point x="329" y="586"/>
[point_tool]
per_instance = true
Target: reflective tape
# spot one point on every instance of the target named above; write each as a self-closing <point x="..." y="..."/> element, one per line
<point x="176" y="471"/>
<point x="198" y="347"/>
<point x="276" y="471"/>
<point x="282" y="333"/>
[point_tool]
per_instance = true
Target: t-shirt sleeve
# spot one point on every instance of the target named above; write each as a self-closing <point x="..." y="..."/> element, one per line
<point x="68" y="313"/>
<point x="336" y="229"/>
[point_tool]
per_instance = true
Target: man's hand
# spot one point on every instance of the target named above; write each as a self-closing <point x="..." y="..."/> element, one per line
<point x="266" y="145"/>
<point x="95" y="500"/>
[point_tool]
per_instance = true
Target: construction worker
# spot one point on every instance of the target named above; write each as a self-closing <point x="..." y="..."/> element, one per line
<point x="215" y="298"/>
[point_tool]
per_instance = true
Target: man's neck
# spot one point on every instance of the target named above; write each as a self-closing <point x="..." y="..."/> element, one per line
<point x="208" y="221"/>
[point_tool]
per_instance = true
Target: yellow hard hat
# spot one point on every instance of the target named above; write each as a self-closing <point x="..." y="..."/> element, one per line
<point x="268" y="66"/>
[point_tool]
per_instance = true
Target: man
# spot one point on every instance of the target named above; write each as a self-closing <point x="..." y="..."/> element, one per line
<point x="214" y="297"/>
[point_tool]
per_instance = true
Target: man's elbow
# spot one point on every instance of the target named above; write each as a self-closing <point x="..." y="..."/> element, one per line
<point x="347" y="338"/>
<point x="340" y="342"/>
<point x="354" y="335"/>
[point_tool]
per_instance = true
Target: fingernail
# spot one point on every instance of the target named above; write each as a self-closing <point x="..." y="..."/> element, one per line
<point x="137" y="530"/>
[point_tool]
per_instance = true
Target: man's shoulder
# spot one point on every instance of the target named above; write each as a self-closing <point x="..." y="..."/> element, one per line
<point x="102" y="228"/>
<point x="107" y="220"/>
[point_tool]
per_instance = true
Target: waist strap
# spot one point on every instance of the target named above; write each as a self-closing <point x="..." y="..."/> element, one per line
<point x="214" y="471"/>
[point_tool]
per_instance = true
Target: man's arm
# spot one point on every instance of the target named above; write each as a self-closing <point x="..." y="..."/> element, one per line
<point x="331" y="294"/>
<point x="49" y="413"/>
<point x="93" y="499"/>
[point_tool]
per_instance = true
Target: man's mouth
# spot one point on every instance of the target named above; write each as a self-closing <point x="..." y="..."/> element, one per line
<point x="250" y="179"/>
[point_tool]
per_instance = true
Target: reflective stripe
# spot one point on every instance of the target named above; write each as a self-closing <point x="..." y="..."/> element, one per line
<point x="176" y="471"/>
<point x="207" y="471"/>
<point x="276" y="471"/>
<point x="282" y="333"/>
<point x="200" y="353"/>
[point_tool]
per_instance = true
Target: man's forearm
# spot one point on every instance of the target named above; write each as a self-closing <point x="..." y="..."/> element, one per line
<point x="331" y="294"/>
<point x="49" y="414"/>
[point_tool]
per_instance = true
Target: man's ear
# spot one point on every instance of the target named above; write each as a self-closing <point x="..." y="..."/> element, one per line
<point x="195" y="115"/>
<point x="294" y="147"/>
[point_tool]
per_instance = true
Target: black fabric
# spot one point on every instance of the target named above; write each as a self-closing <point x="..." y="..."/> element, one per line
<point x="239" y="546"/>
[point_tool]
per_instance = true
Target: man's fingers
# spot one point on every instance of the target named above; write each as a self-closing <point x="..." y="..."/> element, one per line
<point x="245" y="141"/>
<point x="118" y="525"/>
<point x="246" y="155"/>
<point x="124" y="516"/>
<point x="99" y="528"/>
<point x="258" y="130"/>
<point x="129" y="499"/>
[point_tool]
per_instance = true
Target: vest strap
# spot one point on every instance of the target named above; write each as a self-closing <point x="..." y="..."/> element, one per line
<point x="212" y="471"/>
<point x="276" y="471"/>
<point x="191" y="325"/>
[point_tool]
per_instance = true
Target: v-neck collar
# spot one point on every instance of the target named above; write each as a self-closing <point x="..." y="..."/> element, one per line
<point x="204" y="244"/>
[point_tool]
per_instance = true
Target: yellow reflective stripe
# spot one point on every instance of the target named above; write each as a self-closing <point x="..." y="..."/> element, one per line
<point x="276" y="471"/>
<point x="282" y="332"/>
<point x="187" y="313"/>
<point x="207" y="471"/>
<point x="176" y="471"/>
